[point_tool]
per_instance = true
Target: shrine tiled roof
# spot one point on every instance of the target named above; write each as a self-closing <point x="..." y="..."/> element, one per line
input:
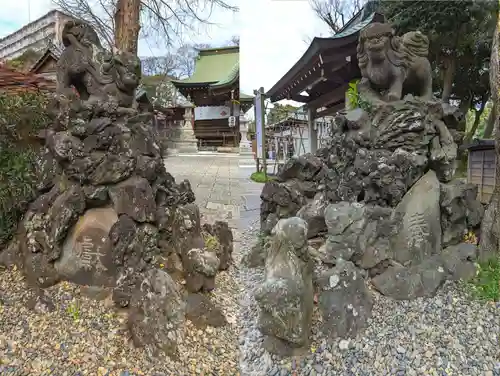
<point x="214" y="67"/>
<point x="233" y="75"/>
<point x="14" y="82"/>
<point x="354" y="28"/>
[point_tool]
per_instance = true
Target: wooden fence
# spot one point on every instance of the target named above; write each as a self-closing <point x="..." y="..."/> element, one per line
<point x="481" y="168"/>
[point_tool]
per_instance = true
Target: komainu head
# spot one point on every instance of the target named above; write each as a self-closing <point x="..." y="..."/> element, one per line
<point x="377" y="43"/>
<point x="393" y="66"/>
<point x="81" y="32"/>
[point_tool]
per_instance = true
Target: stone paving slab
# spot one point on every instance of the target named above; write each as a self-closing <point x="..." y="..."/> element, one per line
<point x="223" y="190"/>
<point x="251" y="202"/>
<point x="233" y="211"/>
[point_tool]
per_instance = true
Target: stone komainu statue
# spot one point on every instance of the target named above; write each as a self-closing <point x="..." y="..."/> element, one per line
<point x="393" y="66"/>
<point x="124" y="72"/>
<point x="76" y="66"/>
<point x="95" y="73"/>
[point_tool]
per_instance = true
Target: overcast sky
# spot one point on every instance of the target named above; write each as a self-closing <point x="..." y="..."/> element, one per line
<point x="273" y="38"/>
<point x="18" y="13"/>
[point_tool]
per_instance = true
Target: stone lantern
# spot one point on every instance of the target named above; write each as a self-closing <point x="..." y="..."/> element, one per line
<point x="186" y="141"/>
<point x="246" y="154"/>
<point x="245" y="145"/>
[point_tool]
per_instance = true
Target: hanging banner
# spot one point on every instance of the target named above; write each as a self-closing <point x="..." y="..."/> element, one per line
<point x="211" y="112"/>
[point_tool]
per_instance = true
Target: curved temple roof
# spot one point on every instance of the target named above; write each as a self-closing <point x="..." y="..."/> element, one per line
<point x="215" y="68"/>
<point x="322" y="51"/>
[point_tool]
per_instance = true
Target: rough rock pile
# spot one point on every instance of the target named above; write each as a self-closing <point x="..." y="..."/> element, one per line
<point x="285" y="302"/>
<point x="109" y="214"/>
<point x="384" y="203"/>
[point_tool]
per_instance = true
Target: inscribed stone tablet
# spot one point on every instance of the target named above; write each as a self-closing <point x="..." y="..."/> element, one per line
<point x="86" y="256"/>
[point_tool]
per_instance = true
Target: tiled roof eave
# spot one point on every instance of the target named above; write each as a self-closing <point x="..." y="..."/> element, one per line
<point x="224" y="85"/>
<point x="231" y="78"/>
<point x="187" y="84"/>
<point x="228" y="82"/>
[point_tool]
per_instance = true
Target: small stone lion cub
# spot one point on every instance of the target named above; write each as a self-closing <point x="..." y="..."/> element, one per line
<point x="392" y="66"/>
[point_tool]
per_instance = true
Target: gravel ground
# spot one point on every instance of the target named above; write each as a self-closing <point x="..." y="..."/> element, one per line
<point x="84" y="336"/>
<point x="445" y="335"/>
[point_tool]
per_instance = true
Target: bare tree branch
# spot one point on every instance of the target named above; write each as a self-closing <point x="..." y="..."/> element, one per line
<point x="165" y="20"/>
<point x="307" y="39"/>
<point x="336" y="13"/>
<point x="98" y="13"/>
<point x="235" y="41"/>
<point x="185" y="57"/>
<point x="165" y="65"/>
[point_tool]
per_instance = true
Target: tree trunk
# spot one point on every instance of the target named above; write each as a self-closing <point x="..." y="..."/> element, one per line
<point x="477" y="119"/>
<point x="127" y="25"/>
<point x="489" y="244"/>
<point x="490" y="123"/>
<point x="465" y="104"/>
<point x="449" y="74"/>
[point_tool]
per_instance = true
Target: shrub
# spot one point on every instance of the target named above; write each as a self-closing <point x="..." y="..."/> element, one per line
<point x="17" y="180"/>
<point x="21" y="117"/>
<point x="355" y="99"/>
<point x="260" y="177"/>
<point x="486" y="284"/>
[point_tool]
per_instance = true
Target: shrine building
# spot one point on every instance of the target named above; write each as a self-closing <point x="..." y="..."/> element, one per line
<point x="214" y="90"/>
<point x="46" y="64"/>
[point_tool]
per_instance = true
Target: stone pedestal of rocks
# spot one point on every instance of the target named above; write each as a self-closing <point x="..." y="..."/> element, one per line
<point x="186" y="143"/>
<point x="245" y="147"/>
<point x="108" y="214"/>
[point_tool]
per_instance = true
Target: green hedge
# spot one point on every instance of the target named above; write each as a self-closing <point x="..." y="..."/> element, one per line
<point x="21" y="118"/>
